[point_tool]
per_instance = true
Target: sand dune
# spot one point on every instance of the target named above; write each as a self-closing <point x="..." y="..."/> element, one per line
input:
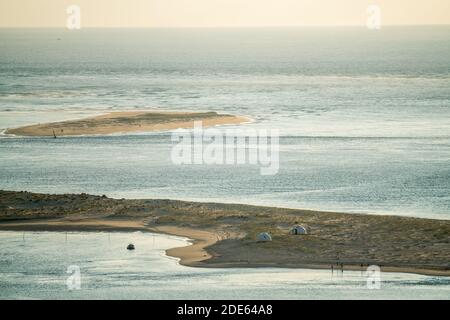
<point x="224" y="235"/>
<point x="127" y="122"/>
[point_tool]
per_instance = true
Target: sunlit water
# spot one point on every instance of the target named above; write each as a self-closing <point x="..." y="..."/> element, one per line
<point x="34" y="266"/>
<point x="364" y="119"/>
<point x="364" y="116"/>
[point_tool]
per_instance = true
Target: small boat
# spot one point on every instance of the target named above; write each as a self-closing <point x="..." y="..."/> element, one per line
<point x="130" y="247"/>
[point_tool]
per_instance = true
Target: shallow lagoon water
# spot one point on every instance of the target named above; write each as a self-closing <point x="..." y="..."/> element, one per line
<point x="34" y="266"/>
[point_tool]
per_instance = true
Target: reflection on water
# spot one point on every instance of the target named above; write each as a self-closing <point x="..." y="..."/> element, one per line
<point x="34" y="266"/>
<point x="364" y="129"/>
<point x="405" y="176"/>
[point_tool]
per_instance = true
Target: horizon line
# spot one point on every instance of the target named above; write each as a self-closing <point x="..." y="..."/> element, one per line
<point x="228" y="27"/>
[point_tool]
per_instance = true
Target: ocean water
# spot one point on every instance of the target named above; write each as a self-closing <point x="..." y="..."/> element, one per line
<point x="35" y="266"/>
<point x="364" y="116"/>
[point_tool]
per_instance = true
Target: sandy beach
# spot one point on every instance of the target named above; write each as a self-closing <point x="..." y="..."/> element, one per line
<point x="127" y="122"/>
<point x="224" y="235"/>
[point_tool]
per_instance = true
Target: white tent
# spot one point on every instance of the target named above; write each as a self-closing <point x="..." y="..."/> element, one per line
<point x="297" y="230"/>
<point x="264" y="237"/>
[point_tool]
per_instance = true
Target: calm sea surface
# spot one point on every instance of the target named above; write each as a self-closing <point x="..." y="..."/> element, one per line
<point x="364" y="119"/>
<point x="364" y="116"/>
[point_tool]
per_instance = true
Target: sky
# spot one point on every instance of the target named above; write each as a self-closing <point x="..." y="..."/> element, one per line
<point x="221" y="13"/>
